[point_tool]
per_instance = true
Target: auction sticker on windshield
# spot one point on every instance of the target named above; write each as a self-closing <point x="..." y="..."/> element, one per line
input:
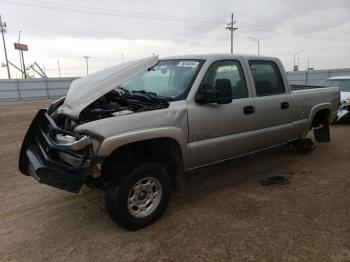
<point x="188" y="63"/>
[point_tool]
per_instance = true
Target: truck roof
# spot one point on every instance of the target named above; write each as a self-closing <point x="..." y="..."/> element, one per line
<point x="217" y="57"/>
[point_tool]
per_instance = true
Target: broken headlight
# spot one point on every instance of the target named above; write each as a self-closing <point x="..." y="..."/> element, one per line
<point x="71" y="142"/>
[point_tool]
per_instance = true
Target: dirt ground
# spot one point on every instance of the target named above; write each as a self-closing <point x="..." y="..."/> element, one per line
<point x="225" y="215"/>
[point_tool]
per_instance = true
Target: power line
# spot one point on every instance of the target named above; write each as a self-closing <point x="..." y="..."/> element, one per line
<point x="222" y="12"/>
<point x="97" y="11"/>
<point x="144" y="3"/>
<point x="150" y="16"/>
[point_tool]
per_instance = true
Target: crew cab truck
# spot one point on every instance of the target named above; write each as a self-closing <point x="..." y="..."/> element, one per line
<point x="135" y="129"/>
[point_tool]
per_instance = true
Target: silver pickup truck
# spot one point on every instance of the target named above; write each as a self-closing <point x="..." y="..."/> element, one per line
<point x="135" y="129"/>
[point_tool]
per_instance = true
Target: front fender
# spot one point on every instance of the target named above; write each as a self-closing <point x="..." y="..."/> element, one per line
<point x="114" y="142"/>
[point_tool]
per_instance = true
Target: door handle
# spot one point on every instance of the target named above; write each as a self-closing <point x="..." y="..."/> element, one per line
<point x="284" y="105"/>
<point x="248" y="110"/>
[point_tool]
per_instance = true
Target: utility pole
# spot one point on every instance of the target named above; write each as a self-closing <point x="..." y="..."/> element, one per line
<point x="122" y="55"/>
<point x="298" y="63"/>
<point x="3" y="31"/>
<point x="59" y="68"/>
<point x="231" y="27"/>
<point x="87" y="64"/>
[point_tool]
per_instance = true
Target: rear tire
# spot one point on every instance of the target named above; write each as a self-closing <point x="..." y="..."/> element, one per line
<point x="141" y="197"/>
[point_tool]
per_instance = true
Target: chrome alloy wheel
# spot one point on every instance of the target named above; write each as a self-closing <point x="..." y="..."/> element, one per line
<point x="144" y="197"/>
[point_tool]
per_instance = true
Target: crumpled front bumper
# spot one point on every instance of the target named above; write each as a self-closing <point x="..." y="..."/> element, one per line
<point x="343" y="113"/>
<point x="40" y="156"/>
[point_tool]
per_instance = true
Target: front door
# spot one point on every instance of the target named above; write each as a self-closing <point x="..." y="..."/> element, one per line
<point x="218" y="132"/>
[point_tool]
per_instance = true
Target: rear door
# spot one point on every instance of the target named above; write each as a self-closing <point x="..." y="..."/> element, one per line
<point x="272" y="103"/>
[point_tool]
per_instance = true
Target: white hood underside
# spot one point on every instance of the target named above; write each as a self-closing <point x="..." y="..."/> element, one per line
<point x="86" y="90"/>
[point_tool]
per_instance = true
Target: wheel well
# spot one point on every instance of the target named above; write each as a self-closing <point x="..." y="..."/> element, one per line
<point x="320" y="117"/>
<point x="166" y="151"/>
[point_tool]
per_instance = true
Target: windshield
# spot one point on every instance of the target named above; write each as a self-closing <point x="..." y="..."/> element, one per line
<point x="171" y="79"/>
<point x="343" y="84"/>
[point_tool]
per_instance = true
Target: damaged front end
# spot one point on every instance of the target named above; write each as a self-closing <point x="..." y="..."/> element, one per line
<point x="54" y="153"/>
<point x="55" y="156"/>
<point x="344" y="111"/>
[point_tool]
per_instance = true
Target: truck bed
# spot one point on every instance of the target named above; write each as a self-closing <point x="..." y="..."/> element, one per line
<point x="305" y="97"/>
<point x="303" y="87"/>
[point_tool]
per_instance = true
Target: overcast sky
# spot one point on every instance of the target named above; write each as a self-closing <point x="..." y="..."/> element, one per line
<point x="68" y="30"/>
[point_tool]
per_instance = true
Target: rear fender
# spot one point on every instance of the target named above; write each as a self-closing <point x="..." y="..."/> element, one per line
<point x="322" y="134"/>
<point x="316" y="109"/>
<point x="321" y="114"/>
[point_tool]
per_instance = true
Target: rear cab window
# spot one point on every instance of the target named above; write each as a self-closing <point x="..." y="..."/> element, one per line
<point x="267" y="78"/>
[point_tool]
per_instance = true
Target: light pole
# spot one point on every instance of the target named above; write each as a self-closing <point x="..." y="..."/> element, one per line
<point x="257" y="41"/>
<point x="295" y="55"/>
<point x="122" y="56"/>
<point x="3" y="31"/>
<point x="87" y="64"/>
<point x="19" y="51"/>
<point x="59" y="68"/>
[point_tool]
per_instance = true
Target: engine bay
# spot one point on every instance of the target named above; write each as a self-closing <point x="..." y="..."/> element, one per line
<point x="115" y="103"/>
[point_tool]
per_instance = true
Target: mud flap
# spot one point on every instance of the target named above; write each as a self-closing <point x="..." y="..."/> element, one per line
<point x="322" y="133"/>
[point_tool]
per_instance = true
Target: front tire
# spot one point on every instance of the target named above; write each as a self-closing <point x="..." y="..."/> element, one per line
<point x="141" y="197"/>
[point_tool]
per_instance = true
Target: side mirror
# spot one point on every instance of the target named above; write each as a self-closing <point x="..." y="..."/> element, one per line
<point x="222" y="94"/>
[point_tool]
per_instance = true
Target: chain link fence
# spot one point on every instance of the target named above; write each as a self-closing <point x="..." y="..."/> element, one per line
<point x="31" y="89"/>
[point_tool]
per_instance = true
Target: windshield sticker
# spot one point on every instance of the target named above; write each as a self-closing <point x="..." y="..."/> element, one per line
<point x="188" y="63"/>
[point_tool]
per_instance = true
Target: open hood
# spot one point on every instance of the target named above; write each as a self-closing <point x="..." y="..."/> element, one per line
<point x="86" y="90"/>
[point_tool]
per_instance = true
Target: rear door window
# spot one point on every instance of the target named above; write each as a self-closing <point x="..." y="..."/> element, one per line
<point x="267" y="78"/>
